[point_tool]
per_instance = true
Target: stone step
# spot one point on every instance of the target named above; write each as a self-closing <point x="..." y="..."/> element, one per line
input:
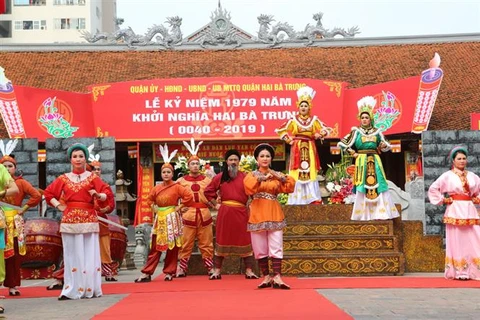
<point x="340" y="243"/>
<point x="339" y="228"/>
<point x="341" y="212"/>
<point x="354" y="264"/>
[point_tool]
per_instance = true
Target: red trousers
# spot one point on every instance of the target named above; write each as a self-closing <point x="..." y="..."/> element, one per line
<point x="170" y="264"/>
<point x="12" y="268"/>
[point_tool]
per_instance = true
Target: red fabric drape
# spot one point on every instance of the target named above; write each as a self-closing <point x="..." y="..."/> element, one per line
<point x="3" y="6"/>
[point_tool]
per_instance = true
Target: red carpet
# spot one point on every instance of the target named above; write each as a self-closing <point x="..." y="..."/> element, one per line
<point x="237" y="298"/>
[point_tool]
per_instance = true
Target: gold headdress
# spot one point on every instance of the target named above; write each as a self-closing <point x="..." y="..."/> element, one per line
<point x="366" y="105"/>
<point x="305" y="94"/>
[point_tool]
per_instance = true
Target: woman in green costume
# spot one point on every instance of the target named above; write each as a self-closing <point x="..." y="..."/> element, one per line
<point x="7" y="188"/>
<point x="364" y="144"/>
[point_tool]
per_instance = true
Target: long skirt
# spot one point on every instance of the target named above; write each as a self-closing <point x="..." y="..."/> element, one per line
<point x="83" y="273"/>
<point x="382" y="208"/>
<point x="462" y="259"/>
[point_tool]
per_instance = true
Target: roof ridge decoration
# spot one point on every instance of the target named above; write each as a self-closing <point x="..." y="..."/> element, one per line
<point x="221" y="31"/>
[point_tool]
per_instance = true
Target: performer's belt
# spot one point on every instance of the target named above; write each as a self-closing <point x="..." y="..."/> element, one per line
<point x="232" y="203"/>
<point x="460" y="197"/>
<point x="79" y="205"/>
<point x="198" y="205"/>
<point x="10" y="213"/>
<point x="264" y="195"/>
<point x="367" y="151"/>
<point x="302" y="138"/>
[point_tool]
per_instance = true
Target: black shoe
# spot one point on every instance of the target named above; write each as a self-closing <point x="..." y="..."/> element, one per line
<point x="56" y="286"/>
<point x="215" y="277"/>
<point x="62" y="297"/>
<point x="265" y="284"/>
<point x="111" y="279"/>
<point x="168" y="277"/>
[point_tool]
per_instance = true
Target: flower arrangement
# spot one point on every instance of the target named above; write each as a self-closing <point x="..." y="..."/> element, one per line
<point x="339" y="181"/>
<point x="341" y="191"/>
<point x="282" y="198"/>
<point x="247" y="163"/>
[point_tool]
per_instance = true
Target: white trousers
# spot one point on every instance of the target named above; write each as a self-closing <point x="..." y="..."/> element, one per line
<point x="83" y="272"/>
<point x="267" y="244"/>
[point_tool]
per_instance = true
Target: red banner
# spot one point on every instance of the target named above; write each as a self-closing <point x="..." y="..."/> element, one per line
<point x="209" y="108"/>
<point x="475" y="121"/>
<point x="395" y="108"/>
<point x="215" y="151"/>
<point x="55" y="114"/>
<point x="143" y="212"/>
<point x="206" y="108"/>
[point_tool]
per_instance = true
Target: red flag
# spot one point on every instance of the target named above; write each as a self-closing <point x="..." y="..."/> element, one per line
<point x="3" y="6"/>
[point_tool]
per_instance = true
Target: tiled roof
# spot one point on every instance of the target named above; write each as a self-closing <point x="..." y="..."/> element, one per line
<point x="360" y="66"/>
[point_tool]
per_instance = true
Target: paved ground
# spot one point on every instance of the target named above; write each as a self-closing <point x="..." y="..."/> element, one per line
<point x="361" y="304"/>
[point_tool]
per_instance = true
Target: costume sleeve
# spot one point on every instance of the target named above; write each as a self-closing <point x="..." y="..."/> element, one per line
<point x="212" y="188"/>
<point x="54" y="192"/>
<point x="35" y="195"/>
<point x="5" y="177"/>
<point x="152" y="195"/>
<point x="437" y="189"/>
<point x="348" y="142"/>
<point x="109" y="203"/>
<point x="284" y="131"/>
<point x="388" y="146"/>
<point x="288" y="186"/>
<point x="251" y="184"/>
<point x="476" y="189"/>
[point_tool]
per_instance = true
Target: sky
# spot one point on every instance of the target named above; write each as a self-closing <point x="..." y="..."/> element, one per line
<point x="374" y="18"/>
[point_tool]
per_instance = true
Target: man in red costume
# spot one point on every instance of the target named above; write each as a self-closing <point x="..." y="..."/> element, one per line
<point x="197" y="220"/>
<point x="232" y="238"/>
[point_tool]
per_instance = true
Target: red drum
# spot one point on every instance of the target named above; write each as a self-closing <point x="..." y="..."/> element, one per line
<point x="118" y="239"/>
<point x="44" y="243"/>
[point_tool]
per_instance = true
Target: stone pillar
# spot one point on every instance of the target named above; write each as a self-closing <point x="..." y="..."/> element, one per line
<point x="26" y="155"/>
<point x="58" y="164"/>
<point x="436" y="147"/>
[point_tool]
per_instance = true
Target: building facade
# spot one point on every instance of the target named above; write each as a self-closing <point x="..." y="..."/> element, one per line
<point x="55" y="21"/>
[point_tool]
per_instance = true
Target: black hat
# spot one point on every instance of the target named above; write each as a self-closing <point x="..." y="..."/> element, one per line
<point x="263" y="146"/>
<point x="232" y="152"/>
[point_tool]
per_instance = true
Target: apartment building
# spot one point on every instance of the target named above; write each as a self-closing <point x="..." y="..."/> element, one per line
<point x="54" y="21"/>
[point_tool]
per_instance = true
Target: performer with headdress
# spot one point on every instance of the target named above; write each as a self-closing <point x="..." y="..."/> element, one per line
<point x="267" y="219"/>
<point x="15" y="235"/>
<point x="79" y="225"/>
<point x="459" y="190"/>
<point x="8" y="188"/>
<point x="167" y="228"/>
<point x="365" y="143"/>
<point x="109" y="267"/>
<point x="301" y="133"/>
<point x="197" y="220"/>
<point x="231" y="236"/>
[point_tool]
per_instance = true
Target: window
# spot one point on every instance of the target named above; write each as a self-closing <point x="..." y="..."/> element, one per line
<point x="31" y="25"/>
<point x="69" y="2"/>
<point x="69" y="23"/>
<point x="5" y="29"/>
<point x="29" y="2"/>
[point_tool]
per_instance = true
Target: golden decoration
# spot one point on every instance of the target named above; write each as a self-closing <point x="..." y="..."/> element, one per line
<point x="334" y="86"/>
<point x="99" y="91"/>
<point x="101" y="134"/>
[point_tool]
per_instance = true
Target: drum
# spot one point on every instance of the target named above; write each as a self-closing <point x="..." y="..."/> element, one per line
<point x="118" y="239"/>
<point x="43" y="241"/>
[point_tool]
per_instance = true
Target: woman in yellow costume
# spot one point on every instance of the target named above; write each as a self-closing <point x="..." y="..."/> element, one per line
<point x="301" y="133"/>
<point x="365" y="143"/>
